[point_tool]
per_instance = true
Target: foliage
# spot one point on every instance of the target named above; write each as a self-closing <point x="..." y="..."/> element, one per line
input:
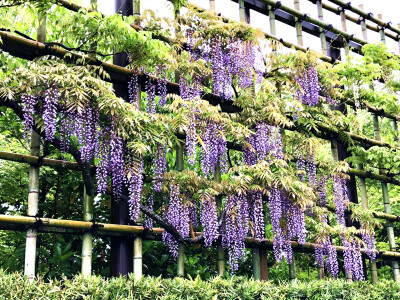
<point x="14" y="285"/>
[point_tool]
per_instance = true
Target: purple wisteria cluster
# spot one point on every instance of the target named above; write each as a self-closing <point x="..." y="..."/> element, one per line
<point x="235" y="228"/>
<point x="148" y="222"/>
<point x="150" y="90"/>
<point x="238" y="59"/>
<point x="50" y="101"/>
<point x="368" y="237"/>
<point x="191" y="139"/>
<point x="178" y="216"/>
<point x="159" y="166"/>
<point x="308" y="81"/>
<point x="189" y="91"/>
<point x="288" y="223"/>
<point x="209" y="220"/>
<point x="326" y="248"/>
<point x="134" y="182"/>
<point x="133" y="90"/>
<point x="215" y="148"/>
<point x="266" y="140"/>
<point x="340" y="199"/>
<point x="257" y="214"/>
<point x="28" y="107"/>
<point x="162" y="85"/>
<point x="352" y="258"/>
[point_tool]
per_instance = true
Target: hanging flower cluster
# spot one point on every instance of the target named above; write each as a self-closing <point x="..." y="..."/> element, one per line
<point x="215" y="148"/>
<point x="352" y="258"/>
<point x="331" y="263"/>
<point x="235" y="228"/>
<point x="308" y="81"/>
<point x="209" y="220"/>
<point x="133" y="90"/>
<point x="134" y="181"/>
<point x="368" y="237"/>
<point x="288" y="223"/>
<point x="178" y="216"/>
<point x="341" y="199"/>
<point x="159" y="166"/>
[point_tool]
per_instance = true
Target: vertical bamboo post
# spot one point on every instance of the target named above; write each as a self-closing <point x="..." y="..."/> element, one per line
<point x="382" y="31"/>
<point x="212" y="5"/>
<point x="242" y="11"/>
<point x="363" y="25"/>
<point x="344" y="28"/>
<point x="181" y="249"/>
<point x="321" y="272"/>
<point x="398" y="36"/>
<point x="386" y="201"/>
<point x="220" y="249"/>
<point x="256" y="263"/>
<point x="33" y="196"/>
<point x="321" y="30"/>
<point x="245" y="17"/>
<point x="335" y="156"/>
<point x="299" y="29"/>
<point x="362" y="182"/>
<point x="137" y="241"/>
<point x="292" y="269"/>
<point x="272" y="23"/>
<point x="87" y="239"/>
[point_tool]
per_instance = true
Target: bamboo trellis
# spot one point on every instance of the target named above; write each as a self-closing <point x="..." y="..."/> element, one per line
<point x="329" y="36"/>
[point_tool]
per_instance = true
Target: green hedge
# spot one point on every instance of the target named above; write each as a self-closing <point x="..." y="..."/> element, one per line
<point x="15" y="286"/>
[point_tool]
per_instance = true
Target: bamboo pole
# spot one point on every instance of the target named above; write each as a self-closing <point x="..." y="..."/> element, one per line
<point x="363" y="24"/>
<point x="292" y="269"/>
<point x="87" y="238"/>
<point x="245" y="17"/>
<point x="363" y="187"/>
<point x="256" y="263"/>
<point x="220" y="249"/>
<point x="382" y="30"/>
<point x="299" y="28"/>
<point x="335" y="156"/>
<point x="130" y="229"/>
<point x="138" y="241"/>
<point x="316" y="22"/>
<point x="29" y="159"/>
<point x="344" y="28"/>
<point x="398" y="37"/>
<point x="181" y="248"/>
<point x="355" y="20"/>
<point x="272" y="21"/>
<point x="321" y="30"/>
<point x="387" y="208"/>
<point x="242" y="11"/>
<point x="212" y="5"/>
<point x="33" y="196"/>
<point x="365" y="15"/>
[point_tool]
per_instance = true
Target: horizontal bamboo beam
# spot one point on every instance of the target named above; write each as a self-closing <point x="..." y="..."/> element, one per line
<point x="138" y="230"/>
<point x="305" y="17"/>
<point x="33" y="160"/>
<point x="366" y="16"/>
<point x="355" y="20"/>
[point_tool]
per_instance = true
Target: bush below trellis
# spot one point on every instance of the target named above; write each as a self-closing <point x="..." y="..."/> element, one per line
<point x="15" y="286"/>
